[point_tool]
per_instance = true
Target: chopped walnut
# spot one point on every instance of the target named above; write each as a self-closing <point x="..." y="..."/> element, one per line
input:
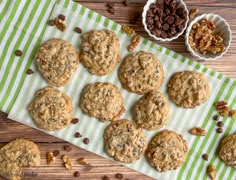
<point x="128" y="29"/>
<point x="193" y="13"/>
<point x="211" y="170"/>
<point x="50" y="158"/>
<point x="60" y="24"/>
<point x="222" y="108"/>
<point x="134" y="42"/>
<point x="232" y="113"/>
<point x="197" y="131"/>
<point x="202" y="38"/>
<point x="67" y="162"/>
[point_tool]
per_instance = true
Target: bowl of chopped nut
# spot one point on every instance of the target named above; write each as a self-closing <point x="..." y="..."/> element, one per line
<point x="208" y="37"/>
<point x="165" y="20"/>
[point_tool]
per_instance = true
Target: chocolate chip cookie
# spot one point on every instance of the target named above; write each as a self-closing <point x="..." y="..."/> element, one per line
<point x="103" y="101"/>
<point x="151" y="111"/>
<point x="124" y="141"/>
<point x="57" y="61"/>
<point x="51" y="109"/>
<point x="141" y="72"/>
<point x="228" y="149"/>
<point x="100" y="51"/>
<point x="167" y="151"/>
<point x="188" y="89"/>
<point x="16" y="155"/>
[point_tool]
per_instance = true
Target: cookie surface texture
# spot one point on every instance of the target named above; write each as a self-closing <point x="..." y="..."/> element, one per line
<point x="227" y="151"/>
<point x="124" y="141"/>
<point x="100" y="51"/>
<point x="188" y="89"/>
<point x="103" y="101"/>
<point x="51" y="109"/>
<point x="57" y="61"/>
<point x="17" y="154"/>
<point x="141" y="72"/>
<point x="151" y="111"/>
<point x="166" y="151"/>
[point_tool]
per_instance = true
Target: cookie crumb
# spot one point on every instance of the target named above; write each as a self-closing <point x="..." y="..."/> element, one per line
<point x="29" y="71"/>
<point x="86" y="140"/>
<point x="18" y="53"/>
<point x="205" y="157"/>
<point x="211" y="170"/>
<point x="198" y="131"/>
<point x="119" y="176"/>
<point x="50" y="158"/>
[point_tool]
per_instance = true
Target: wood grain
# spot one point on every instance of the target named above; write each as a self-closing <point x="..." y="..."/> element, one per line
<point x="11" y="130"/>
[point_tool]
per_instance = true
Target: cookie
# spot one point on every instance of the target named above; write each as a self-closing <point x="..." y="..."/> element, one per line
<point x="188" y="89"/>
<point x="228" y="149"/>
<point x="16" y="155"/>
<point x="151" y="111"/>
<point x="124" y="141"/>
<point x="57" y="61"/>
<point x="100" y="51"/>
<point x="167" y="151"/>
<point x="103" y="101"/>
<point x="51" y="109"/>
<point x="141" y="72"/>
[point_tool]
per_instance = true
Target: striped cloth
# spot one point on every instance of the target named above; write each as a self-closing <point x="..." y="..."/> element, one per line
<point x="181" y="119"/>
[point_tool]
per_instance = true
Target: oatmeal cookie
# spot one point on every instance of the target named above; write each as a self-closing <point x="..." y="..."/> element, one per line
<point x="16" y="155"/>
<point x="51" y="109"/>
<point x="100" y="51"/>
<point x="124" y="141"/>
<point x="57" y="61"/>
<point x="141" y="72"/>
<point x="167" y="151"/>
<point x="151" y="111"/>
<point x="188" y="89"/>
<point x="228" y="150"/>
<point x="103" y="101"/>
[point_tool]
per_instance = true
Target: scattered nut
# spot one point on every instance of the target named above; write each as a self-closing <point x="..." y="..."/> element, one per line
<point x="193" y="13"/>
<point x="82" y="161"/>
<point x="67" y="148"/>
<point x="60" y="24"/>
<point x="134" y="42"/>
<point x="211" y="170"/>
<point x="119" y="176"/>
<point x="56" y="153"/>
<point x="51" y="22"/>
<point x="76" y="174"/>
<point x="78" y="30"/>
<point x="128" y="29"/>
<point x="67" y="162"/>
<point x="197" y="131"/>
<point x="62" y="17"/>
<point x="232" y="113"/>
<point x="50" y="158"/>
<point x="222" y="108"/>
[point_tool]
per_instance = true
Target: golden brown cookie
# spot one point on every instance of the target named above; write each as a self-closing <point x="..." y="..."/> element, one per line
<point x="167" y="151"/>
<point x="228" y="150"/>
<point x="16" y="155"/>
<point x="124" y="141"/>
<point x="151" y="111"/>
<point x="100" y="51"/>
<point x="188" y="89"/>
<point x="51" y="109"/>
<point x="103" y="101"/>
<point x="57" y="61"/>
<point x="141" y="72"/>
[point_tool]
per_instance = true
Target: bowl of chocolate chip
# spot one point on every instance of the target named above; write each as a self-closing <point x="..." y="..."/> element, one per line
<point x="165" y="20"/>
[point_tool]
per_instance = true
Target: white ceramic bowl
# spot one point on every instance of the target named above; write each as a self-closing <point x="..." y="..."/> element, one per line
<point x="221" y="26"/>
<point x="146" y="8"/>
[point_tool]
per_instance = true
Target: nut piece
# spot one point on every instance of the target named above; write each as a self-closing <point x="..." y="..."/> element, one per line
<point x="82" y="161"/>
<point x="50" y="158"/>
<point x="134" y="42"/>
<point x="127" y="29"/>
<point x="197" y="131"/>
<point x="60" y="24"/>
<point x="232" y="113"/>
<point x="222" y="108"/>
<point x="193" y="13"/>
<point x="211" y="170"/>
<point x="67" y="162"/>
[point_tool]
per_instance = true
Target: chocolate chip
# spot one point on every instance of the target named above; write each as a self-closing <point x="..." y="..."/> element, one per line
<point x="219" y="130"/>
<point x="56" y="153"/>
<point x="29" y="71"/>
<point x="158" y="25"/>
<point x="78" y="30"/>
<point x="77" y="135"/>
<point x="125" y="2"/>
<point x="51" y="22"/>
<point x="150" y="13"/>
<point x="150" y="27"/>
<point x="220" y="124"/>
<point x="74" y="120"/>
<point x="110" y="4"/>
<point x="170" y="19"/>
<point x="18" y="53"/>
<point x="156" y="18"/>
<point x="172" y="30"/>
<point x="180" y="27"/>
<point x="150" y="20"/>
<point x="105" y="178"/>
<point x="152" y="6"/>
<point x="67" y="148"/>
<point x="86" y="140"/>
<point x="111" y="10"/>
<point x="76" y="174"/>
<point x="205" y="157"/>
<point x="166" y="27"/>
<point x="167" y="11"/>
<point x="179" y="21"/>
<point x="88" y="167"/>
<point x="119" y="176"/>
<point x="62" y="17"/>
<point x="180" y="11"/>
<point x="160" y="1"/>
<point x="163" y="34"/>
<point x="216" y="117"/>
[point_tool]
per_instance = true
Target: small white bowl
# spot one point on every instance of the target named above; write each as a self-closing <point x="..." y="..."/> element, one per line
<point x="221" y="26"/>
<point x="146" y="8"/>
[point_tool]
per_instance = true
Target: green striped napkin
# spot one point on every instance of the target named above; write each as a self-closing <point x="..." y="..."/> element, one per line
<point x="181" y="119"/>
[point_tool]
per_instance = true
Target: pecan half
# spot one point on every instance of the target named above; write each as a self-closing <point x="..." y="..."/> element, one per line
<point x="134" y="42"/>
<point x="211" y="170"/>
<point x="197" y="131"/>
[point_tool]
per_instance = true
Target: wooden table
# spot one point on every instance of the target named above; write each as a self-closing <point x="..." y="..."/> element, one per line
<point x="11" y="130"/>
